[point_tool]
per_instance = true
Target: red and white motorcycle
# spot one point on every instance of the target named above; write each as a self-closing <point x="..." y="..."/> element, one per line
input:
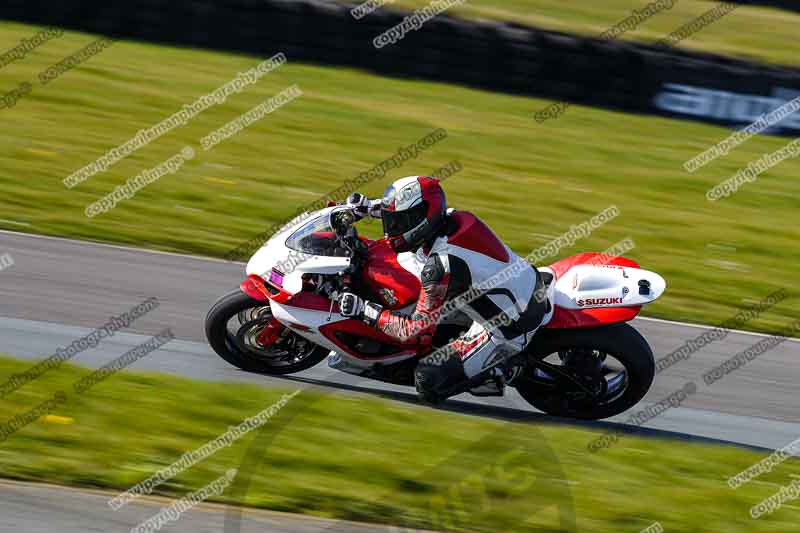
<point x="584" y="362"/>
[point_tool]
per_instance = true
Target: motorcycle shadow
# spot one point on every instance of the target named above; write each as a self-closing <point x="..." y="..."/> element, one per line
<point x="512" y="414"/>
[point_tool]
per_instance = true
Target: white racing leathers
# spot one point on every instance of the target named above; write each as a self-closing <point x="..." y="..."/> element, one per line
<point x="480" y="279"/>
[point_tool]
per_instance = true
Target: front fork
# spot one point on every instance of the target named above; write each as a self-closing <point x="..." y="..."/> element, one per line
<point x="254" y="287"/>
<point x="270" y="333"/>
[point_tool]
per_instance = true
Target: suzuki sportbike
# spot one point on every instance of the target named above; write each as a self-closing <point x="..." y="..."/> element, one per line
<point x="585" y="361"/>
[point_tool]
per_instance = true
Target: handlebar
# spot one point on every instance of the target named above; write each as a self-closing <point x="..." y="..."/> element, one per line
<point x="342" y="222"/>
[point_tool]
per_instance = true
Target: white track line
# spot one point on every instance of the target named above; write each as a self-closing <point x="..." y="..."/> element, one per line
<point x="701" y="326"/>
<point x="14" y="222"/>
<point x="217" y="260"/>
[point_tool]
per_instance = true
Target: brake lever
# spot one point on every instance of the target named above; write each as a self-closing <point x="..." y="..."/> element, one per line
<point x="334" y="297"/>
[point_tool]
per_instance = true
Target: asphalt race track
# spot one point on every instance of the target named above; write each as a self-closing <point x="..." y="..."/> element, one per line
<point x="58" y="290"/>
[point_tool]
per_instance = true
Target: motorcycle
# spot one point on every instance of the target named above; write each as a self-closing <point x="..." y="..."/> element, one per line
<point x="585" y="361"/>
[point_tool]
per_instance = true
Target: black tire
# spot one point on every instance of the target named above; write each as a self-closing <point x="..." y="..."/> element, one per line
<point x="221" y="341"/>
<point x="621" y="341"/>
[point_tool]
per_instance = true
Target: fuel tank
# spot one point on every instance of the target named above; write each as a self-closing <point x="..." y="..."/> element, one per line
<point x="396" y="286"/>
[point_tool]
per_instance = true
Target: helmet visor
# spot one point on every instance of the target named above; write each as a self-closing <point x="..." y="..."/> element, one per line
<point x="399" y="222"/>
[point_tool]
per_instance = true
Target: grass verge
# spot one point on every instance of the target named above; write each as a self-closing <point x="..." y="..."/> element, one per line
<point x="356" y="457"/>
<point x="530" y="182"/>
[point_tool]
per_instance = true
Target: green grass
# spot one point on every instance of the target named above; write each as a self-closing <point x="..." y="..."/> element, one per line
<point x="529" y="181"/>
<point x="760" y="33"/>
<point x="356" y="457"/>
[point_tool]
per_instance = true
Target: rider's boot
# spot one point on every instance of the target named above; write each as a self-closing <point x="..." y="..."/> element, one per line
<point x="439" y="376"/>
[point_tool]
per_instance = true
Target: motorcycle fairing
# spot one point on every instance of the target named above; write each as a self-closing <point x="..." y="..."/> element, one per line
<point x="336" y="333"/>
<point x="592" y="289"/>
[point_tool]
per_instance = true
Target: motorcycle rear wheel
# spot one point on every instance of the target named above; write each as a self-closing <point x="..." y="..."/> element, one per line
<point x="291" y="354"/>
<point x="619" y="341"/>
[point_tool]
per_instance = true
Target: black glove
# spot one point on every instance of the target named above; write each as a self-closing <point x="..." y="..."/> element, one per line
<point x="351" y="306"/>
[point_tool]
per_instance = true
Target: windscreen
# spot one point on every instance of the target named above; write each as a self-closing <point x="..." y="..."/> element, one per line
<point x="316" y="238"/>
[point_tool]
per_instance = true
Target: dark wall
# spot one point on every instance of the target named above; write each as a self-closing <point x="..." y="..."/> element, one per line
<point x="495" y="56"/>
<point x="788" y="5"/>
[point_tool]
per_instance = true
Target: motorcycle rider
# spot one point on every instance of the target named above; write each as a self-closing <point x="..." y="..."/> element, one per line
<point x="465" y="269"/>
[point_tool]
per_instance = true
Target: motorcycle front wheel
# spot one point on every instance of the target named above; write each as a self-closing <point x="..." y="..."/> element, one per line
<point x="233" y="326"/>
